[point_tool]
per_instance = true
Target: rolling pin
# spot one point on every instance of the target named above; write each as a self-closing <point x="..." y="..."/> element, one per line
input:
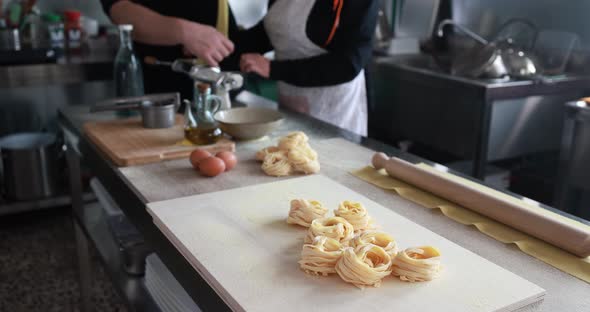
<point x="562" y="234"/>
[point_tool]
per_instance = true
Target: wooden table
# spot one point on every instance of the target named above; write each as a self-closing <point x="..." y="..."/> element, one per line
<point x="133" y="187"/>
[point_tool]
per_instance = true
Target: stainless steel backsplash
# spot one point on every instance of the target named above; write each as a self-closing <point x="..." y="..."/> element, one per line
<point x="485" y="16"/>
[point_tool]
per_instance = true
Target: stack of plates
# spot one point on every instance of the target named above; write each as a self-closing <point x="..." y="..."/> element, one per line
<point x="165" y="289"/>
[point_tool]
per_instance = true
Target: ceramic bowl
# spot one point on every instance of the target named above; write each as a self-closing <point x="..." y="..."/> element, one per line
<point x="248" y="123"/>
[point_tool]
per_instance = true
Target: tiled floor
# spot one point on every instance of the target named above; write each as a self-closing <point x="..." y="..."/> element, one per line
<point x="38" y="268"/>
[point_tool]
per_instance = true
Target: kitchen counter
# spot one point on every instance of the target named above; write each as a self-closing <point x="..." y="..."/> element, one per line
<point x="94" y="62"/>
<point x="340" y="151"/>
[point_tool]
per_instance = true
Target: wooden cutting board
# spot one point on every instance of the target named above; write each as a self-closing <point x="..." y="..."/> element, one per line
<point x="239" y="242"/>
<point x="127" y="143"/>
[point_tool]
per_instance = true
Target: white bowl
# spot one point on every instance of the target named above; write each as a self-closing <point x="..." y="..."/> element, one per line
<point x="248" y="123"/>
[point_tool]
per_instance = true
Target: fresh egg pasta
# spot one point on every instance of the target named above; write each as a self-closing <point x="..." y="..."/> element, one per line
<point x="320" y="257"/>
<point x="303" y="212"/>
<point x="377" y="238"/>
<point x="332" y="227"/>
<point x="295" y="151"/>
<point x="417" y="264"/>
<point x="356" y="214"/>
<point x="276" y="164"/>
<point x="364" y="265"/>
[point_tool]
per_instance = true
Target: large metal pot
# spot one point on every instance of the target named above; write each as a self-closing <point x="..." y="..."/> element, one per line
<point x="29" y="163"/>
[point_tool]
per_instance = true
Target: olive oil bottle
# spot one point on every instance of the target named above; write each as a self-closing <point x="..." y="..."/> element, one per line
<point x="200" y="127"/>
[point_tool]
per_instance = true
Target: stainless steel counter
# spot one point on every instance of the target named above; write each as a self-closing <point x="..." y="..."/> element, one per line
<point x="481" y="120"/>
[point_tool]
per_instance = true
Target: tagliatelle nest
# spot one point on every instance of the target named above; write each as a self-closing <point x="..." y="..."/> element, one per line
<point x="276" y="164"/>
<point x="320" y="257"/>
<point x="303" y="212"/>
<point x="417" y="264"/>
<point x="364" y="265"/>
<point x="293" y="140"/>
<point x="356" y="214"/>
<point x="377" y="238"/>
<point x="260" y="155"/>
<point x="300" y="156"/>
<point x="332" y="227"/>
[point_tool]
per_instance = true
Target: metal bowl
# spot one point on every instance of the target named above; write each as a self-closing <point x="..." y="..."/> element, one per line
<point x="248" y="123"/>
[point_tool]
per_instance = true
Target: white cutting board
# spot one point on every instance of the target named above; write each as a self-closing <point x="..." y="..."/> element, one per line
<point x="239" y="242"/>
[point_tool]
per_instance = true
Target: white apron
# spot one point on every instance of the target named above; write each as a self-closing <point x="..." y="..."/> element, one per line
<point x="343" y="105"/>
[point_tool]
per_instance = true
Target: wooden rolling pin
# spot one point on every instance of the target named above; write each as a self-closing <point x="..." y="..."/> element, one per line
<point x="568" y="236"/>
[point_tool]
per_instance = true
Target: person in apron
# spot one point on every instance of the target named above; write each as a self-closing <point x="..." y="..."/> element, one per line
<point x="175" y="29"/>
<point x="321" y="48"/>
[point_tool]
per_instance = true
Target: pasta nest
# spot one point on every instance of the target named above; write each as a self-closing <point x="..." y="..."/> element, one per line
<point x="295" y="148"/>
<point x="261" y="154"/>
<point x="304" y="159"/>
<point x="417" y="264"/>
<point x="364" y="265"/>
<point x="356" y="214"/>
<point x="377" y="238"/>
<point x="332" y="227"/>
<point x="276" y="164"/>
<point x="303" y="212"/>
<point x="320" y="257"/>
<point x="293" y="140"/>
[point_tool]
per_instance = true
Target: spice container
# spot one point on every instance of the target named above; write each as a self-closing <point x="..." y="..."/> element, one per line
<point x="55" y="30"/>
<point x="73" y="29"/>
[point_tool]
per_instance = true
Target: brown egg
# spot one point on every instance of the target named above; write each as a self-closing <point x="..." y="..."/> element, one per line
<point x="211" y="166"/>
<point x="198" y="155"/>
<point x="229" y="159"/>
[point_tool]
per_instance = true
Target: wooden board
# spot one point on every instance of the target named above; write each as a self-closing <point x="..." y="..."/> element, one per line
<point x="127" y="143"/>
<point x="239" y="242"/>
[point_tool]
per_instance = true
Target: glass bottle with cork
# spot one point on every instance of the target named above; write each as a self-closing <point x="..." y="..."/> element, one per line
<point x="200" y="126"/>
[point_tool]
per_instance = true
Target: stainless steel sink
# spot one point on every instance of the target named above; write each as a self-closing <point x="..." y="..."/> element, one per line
<point x="440" y="67"/>
<point x="415" y="98"/>
<point x="420" y="61"/>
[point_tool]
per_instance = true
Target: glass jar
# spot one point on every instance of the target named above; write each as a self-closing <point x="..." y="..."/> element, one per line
<point x="200" y="127"/>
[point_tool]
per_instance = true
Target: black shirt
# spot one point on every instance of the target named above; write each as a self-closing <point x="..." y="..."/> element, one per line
<point x="158" y="79"/>
<point x="348" y="52"/>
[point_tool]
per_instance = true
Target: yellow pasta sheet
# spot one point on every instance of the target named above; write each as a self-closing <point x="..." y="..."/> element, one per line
<point x="539" y="249"/>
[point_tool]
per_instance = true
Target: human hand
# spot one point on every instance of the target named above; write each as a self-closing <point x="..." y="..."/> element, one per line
<point x="205" y="42"/>
<point x="255" y="63"/>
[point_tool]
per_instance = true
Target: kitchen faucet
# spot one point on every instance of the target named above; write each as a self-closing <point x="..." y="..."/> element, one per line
<point x="465" y="30"/>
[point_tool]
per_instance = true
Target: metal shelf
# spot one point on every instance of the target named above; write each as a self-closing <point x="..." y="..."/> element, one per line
<point x="130" y="288"/>
<point x="10" y="208"/>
